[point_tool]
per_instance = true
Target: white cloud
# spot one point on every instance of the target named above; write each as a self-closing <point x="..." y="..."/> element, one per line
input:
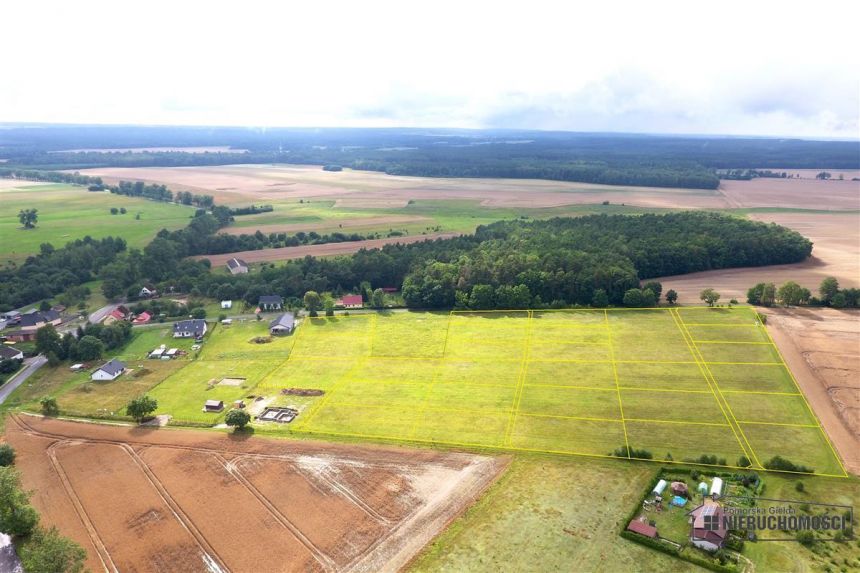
<point x="671" y="66"/>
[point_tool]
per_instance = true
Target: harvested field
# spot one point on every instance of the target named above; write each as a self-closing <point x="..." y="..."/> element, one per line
<point x="160" y="500"/>
<point x="343" y="225"/>
<point x="822" y="348"/>
<point x="836" y="252"/>
<point x="326" y="250"/>
<point x="792" y="194"/>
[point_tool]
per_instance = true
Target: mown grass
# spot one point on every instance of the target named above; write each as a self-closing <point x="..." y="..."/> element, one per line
<point x="67" y="213"/>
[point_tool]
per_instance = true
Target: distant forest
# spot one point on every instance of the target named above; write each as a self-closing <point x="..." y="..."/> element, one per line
<point x="618" y="159"/>
<point x="560" y="262"/>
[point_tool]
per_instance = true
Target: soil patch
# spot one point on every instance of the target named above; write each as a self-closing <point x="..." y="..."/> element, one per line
<point x="196" y="501"/>
<point x="302" y="392"/>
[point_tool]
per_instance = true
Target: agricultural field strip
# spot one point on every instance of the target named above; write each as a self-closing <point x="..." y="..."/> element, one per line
<point x="521" y="375"/>
<point x="809" y="409"/>
<point x="184" y="520"/>
<point x="709" y="378"/>
<point x="615" y="376"/>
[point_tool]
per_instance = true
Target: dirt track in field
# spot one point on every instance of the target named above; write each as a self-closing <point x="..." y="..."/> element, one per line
<point x="325" y="250"/>
<point x="821" y="346"/>
<point x="343" y="225"/>
<point x="145" y="499"/>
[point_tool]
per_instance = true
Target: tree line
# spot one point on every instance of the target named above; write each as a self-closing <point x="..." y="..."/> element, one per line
<point x="791" y="293"/>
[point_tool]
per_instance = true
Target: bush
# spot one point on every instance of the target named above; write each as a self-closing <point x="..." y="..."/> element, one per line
<point x="141" y="407"/>
<point x="198" y="312"/>
<point x="782" y="464"/>
<point x="7" y="455"/>
<point x="237" y="418"/>
<point x="626" y="451"/>
<point x="49" y="406"/>
<point x="744" y="462"/>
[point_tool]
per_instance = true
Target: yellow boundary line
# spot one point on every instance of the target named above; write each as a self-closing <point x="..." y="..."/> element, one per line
<point x="808" y="407"/>
<point x="515" y="407"/>
<point x="545" y="451"/>
<point x="731" y="342"/>
<point x="755" y="423"/>
<point x="615" y="373"/>
<point x="438" y="367"/>
<point x="705" y="374"/>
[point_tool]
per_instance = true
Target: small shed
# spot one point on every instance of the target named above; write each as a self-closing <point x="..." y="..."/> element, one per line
<point x="716" y="487"/>
<point x="226" y="304"/>
<point x="239" y="404"/>
<point x="658" y="489"/>
<point x="76" y="367"/>
<point x="227" y="321"/>
<point x="642" y="528"/>
<point x="213" y="406"/>
<point x="172" y="352"/>
<point x="157" y="352"/>
<point x="703" y="488"/>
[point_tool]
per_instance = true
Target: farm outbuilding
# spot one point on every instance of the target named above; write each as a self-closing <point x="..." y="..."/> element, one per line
<point x="213" y="406"/>
<point x="642" y="528"/>
<point x="658" y="489"/>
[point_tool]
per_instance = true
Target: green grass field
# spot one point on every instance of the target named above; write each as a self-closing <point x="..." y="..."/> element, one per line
<point x="569" y="382"/>
<point x="67" y="213"/>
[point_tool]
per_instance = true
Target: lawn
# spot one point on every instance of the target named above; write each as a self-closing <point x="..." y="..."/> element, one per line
<point x="68" y="212"/>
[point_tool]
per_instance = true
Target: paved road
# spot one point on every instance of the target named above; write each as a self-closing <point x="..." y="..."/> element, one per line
<point x="98" y="315"/>
<point x="30" y="366"/>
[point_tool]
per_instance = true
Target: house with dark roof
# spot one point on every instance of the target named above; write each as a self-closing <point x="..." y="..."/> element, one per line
<point x="20" y="335"/>
<point x="36" y="320"/>
<point x="351" y="301"/>
<point x="194" y="328"/>
<point x="213" y="406"/>
<point x="709" y="530"/>
<point x="109" y="370"/>
<point x="237" y="266"/>
<point x="271" y="302"/>
<point x="284" y="324"/>
<point x="9" y="353"/>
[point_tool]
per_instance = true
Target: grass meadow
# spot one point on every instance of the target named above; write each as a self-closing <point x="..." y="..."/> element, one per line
<point x="67" y="212"/>
<point x="669" y="384"/>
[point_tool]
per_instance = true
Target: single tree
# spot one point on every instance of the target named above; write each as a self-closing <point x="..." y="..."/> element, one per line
<point x="17" y="516"/>
<point x="633" y="298"/>
<point x="198" y="312"/>
<point x="671" y="296"/>
<point x="768" y="295"/>
<point x="7" y="455"/>
<point x="710" y="296"/>
<point x="600" y="299"/>
<point x="122" y="210"/>
<point x="655" y="287"/>
<point x="28" y="217"/>
<point x="90" y="348"/>
<point x="47" y="550"/>
<point x="328" y="305"/>
<point x="377" y="298"/>
<point x="49" y="406"/>
<point x="313" y="302"/>
<point x="114" y="210"/>
<point x="828" y="289"/>
<point x="789" y="293"/>
<point x="48" y="340"/>
<point x="237" y="418"/>
<point x="839" y="301"/>
<point x="141" y="407"/>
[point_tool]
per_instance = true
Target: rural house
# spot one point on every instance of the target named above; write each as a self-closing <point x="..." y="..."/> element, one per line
<point x="283" y="324"/>
<point x="271" y="302"/>
<point x="8" y="353"/>
<point x="225" y="304"/>
<point x="109" y="370"/>
<point x="20" y="335"/>
<point x="237" y="266"/>
<point x="114" y="316"/>
<point x="147" y="292"/>
<point x="351" y="301"/>
<point x="194" y="328"/>
<point x="709" y="531"/>
<point x="36" y="320"/>
<point x="142" y="318"/>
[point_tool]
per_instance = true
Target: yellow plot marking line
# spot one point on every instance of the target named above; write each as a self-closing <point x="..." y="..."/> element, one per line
<point x="545" y="452"/>
<point x="678" y="322"/>
<point x="515" y="406"/>
<point x="615" y="374"/>
<point x="797" y="386"/>
<point x="721" y="398"/>
<point x="426" y="398"/>
<point x="777" y="424"/>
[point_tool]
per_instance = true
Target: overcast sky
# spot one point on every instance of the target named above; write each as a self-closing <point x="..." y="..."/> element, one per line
<point x="747" y="68"/>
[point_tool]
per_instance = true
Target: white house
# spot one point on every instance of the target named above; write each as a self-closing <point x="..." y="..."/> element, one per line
<point x="226" y="304"/>
<point x="9" y="353"/>
<point x="109" y="370"/>
<point x="194" y="328"/>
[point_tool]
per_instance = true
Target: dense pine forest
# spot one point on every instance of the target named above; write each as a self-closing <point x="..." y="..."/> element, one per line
<point x="590" y="260"/>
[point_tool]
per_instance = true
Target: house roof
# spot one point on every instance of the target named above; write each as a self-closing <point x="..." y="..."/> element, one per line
<point x="142" y="317"/>
<point x="214" y="403"/>
<point x="117" y="313"/>
<point x="236" y="263"/>
<point x="351" y="299"/>
<point x="113" y="367"/>
<point x="7" y="352"/>
<point x="271" y="299"/>
<point x="642" y="528"/>
<point x="709" y="508"/>
<point x="286" y="320"/>
<point x="34" y="318"/>
<point x="193" y="325"/>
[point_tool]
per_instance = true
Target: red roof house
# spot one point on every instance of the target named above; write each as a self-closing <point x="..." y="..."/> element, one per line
<point x="709" y="530"/>
<point x="351" y="301"/>
<point x="642" y="528"/>
<point x="142" y="318"/>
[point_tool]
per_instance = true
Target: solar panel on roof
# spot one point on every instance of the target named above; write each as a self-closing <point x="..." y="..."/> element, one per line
<point x="709" y="510"/>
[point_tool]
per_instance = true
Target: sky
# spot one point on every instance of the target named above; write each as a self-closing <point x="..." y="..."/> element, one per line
<point x="736" y="68"/>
